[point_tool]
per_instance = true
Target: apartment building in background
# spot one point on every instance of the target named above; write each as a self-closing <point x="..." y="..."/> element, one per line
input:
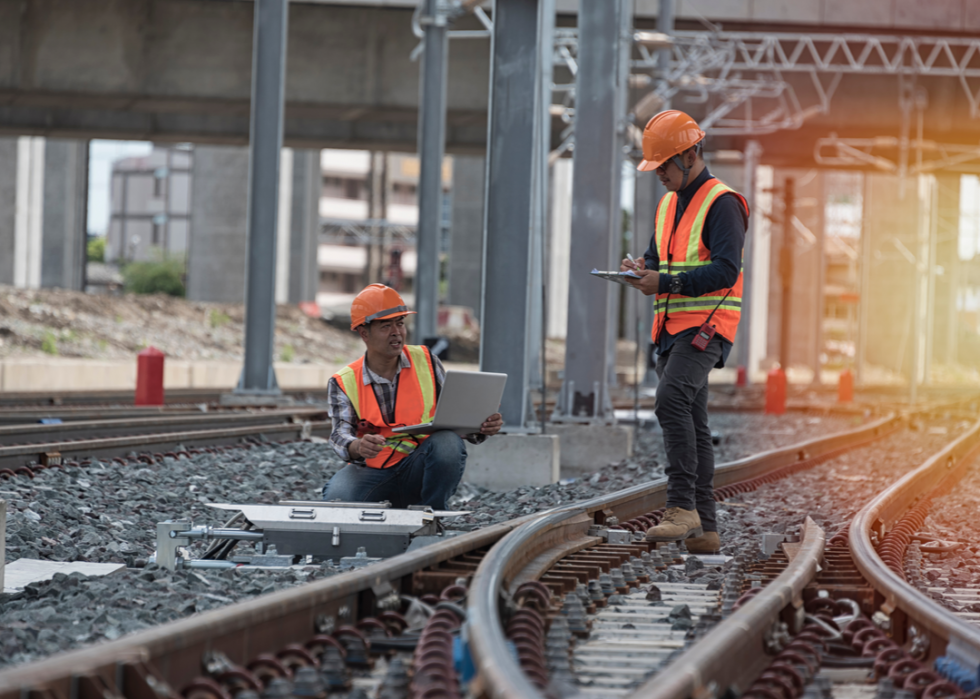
<point x="150" y="207"/>
<point x="368" y="213"/>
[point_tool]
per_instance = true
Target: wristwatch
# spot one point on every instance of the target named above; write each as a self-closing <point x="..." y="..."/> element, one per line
<point x="676" y="284"/>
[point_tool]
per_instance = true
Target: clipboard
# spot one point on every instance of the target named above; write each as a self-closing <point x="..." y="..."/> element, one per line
<point x="617" y="277"/>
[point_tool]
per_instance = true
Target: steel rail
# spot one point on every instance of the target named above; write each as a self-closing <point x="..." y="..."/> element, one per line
<point x="90" y="429"/>
<point x="240" y="631"/>
<point x="32" y="414"/>
<point x="125" y="397"/>
<point x="246" y="629"/>
<point x="501" y="568"/>
<point x="13" y="457"/>
<point x="501" y="675"/>
<point x="939" y="471"/>
<point x="640" y="499"/>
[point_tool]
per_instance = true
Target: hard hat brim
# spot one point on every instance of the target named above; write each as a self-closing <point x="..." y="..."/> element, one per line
<point x="399" y="314"/>
<point x="649" y="165"/>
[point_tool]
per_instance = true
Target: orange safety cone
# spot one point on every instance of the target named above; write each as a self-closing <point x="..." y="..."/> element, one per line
<point x="776" y="391"/>
<point x="149" y="377"/>
<point x="741" y="377"/>
<point x="845" y="387"/>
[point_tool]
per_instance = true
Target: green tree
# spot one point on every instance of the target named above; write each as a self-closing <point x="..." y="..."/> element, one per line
<point x="162" y="276"/>
<point x="95" y="250"/>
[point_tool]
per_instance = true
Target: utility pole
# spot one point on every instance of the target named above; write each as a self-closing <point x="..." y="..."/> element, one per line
<point x="265" y="146"/>
<point x="786" y="270"/>
<point x="821" y="278"/>
<point x="377" y="212"/>
<point x="743" y="338"/>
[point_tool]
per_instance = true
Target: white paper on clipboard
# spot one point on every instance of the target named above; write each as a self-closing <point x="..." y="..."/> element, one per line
<point x="618" y="277"/>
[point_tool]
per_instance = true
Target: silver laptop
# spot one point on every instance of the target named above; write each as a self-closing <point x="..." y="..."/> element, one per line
<point x="467" y="399"/>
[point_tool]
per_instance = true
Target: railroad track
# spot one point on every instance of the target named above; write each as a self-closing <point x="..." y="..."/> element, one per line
<point x="775" y="638"/>
<point x="525" y="570"/>
<point x="187" y="396"/>
<point x="25" y="449"/>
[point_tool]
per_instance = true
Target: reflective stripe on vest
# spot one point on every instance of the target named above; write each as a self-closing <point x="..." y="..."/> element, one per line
<point x="684" y="244"/>
<point x="415" y="403"/>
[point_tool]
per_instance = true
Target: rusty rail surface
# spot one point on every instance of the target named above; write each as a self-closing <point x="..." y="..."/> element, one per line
<point x="125" y="397"/>
<point x="11" y="435"/>
<point x="13" y="458"/>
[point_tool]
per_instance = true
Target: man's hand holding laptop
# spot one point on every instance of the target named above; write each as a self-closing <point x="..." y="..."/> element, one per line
<point x="492" y="425"/>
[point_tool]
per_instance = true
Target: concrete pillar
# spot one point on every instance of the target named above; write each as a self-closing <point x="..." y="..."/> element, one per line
<point x="216" y="259"/>
<point x="946" y="328"/>
<point x="8" y="207"/>
<point x="304" y="274"/>
<point x="890" y="223"/>
<point x="466" y="234"/>
<point x="558" y="247"/>
<point x="22" y="210"/>
<point x="64" y="225"/>
<point x="806" y="218"/>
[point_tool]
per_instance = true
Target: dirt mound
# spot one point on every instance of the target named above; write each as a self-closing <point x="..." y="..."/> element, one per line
<point x="74" y="324"/>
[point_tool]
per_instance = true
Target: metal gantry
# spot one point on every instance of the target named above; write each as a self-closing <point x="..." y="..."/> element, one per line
<point x="742" y="75"/>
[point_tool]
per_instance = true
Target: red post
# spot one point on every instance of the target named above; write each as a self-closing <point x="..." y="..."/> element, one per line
<point x="742" y="378"/>
<point x="845" y="387"/>
<point x="149" y="377"/>
<point x="776" y="392"/>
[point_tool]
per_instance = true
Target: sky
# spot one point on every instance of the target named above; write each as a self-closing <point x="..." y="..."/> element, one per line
<point x="101" y="156"/>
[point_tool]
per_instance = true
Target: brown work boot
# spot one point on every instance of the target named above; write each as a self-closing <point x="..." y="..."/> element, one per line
<point x="709" y="542"/>
<point x="677" y="524"/>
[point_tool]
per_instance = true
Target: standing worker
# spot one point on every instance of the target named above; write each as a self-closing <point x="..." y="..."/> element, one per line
<point x="694" y="267"/>
<point x="392" y="385"/>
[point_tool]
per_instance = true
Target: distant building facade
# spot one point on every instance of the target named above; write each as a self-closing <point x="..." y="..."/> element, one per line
<point x="150" y="210"/>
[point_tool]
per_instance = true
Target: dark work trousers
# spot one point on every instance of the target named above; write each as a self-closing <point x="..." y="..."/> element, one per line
<point x="682" y="409"/>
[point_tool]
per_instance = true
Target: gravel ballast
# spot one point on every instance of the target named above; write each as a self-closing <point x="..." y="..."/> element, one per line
<point x="107" y="512"/>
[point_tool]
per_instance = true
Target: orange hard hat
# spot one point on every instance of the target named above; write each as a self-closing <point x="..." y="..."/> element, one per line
<point x="668" y="134"/>
<point x="376" y="302"/>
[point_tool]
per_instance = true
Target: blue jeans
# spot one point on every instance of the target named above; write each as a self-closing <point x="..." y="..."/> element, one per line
<point x="427" y="476"/>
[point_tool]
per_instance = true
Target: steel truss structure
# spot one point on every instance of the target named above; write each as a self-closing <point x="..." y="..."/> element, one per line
<point x="742" y="76"/>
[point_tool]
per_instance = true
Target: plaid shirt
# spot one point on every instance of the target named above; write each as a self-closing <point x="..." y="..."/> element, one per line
<point x="344" y="414"/>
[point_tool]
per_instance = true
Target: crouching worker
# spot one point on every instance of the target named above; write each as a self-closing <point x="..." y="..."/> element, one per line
<point x="392" y="385"/>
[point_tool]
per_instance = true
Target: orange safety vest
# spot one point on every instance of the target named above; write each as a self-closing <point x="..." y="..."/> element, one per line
<point x="415" y="403"/>
<point x="682" y="249"/>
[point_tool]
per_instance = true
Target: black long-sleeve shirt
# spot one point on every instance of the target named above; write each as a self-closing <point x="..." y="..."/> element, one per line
<point x="724" y="235"/>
